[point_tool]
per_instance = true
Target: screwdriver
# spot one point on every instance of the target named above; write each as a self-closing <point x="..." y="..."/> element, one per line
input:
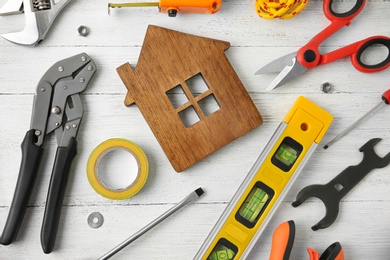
<point x="172" y="7"/>
<point x="385" y="101"/>
<point x="190" y="198"/>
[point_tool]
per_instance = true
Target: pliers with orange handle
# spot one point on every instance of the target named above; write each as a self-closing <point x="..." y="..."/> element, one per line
<point x="283" y="240"/>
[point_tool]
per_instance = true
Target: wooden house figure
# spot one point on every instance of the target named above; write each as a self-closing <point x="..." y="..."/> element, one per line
<point x="168" y="64"/>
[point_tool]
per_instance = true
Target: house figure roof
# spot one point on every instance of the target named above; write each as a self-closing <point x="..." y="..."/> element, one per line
<point x="172" y="61"/>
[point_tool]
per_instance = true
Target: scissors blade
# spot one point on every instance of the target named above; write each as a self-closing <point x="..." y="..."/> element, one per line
<point x="289" y="73"/>
<point x="277" y="65"/>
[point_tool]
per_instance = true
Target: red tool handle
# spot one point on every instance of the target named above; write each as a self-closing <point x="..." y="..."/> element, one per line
<point x="309" y="55"/>
<point x="356" y="51"/>
<point x="346" y="16"/>
<point x="386" y="97"/>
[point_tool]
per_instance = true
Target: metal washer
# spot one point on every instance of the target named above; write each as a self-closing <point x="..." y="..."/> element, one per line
<point x="95" y="220"/>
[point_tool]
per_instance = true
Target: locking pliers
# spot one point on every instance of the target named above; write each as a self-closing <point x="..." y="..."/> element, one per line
<point x="40" y="15"/>
<point x="57" y="107"/>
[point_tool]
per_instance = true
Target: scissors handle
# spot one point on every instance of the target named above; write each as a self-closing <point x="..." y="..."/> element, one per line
<point x="309" y="55"/>
<point x="332" y="15"/>
<point x="356" y="51"/>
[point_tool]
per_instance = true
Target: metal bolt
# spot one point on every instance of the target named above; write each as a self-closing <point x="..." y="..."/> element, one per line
<point x="60" y="69"/>
<point x="67" y="127"/>
<point x="57" y="124"/>
<point x="65" y="87"/>
<point x="74" y="126"/>
<point x="326" y="87"/>
<point x="56" y="110"/>
<point x="43" y="89"/>
<point x="83" y="58"/>
<point x="82" y="80"/>
<point x="38" y="133"/>
<point x="90" y="68"/>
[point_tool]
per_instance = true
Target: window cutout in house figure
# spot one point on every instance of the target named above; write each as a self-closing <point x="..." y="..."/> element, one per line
<point x="177" y="96"/>
<point x="193" y="100"/>
<point x="209" y="105"/>
<point x="197" y="85"/>
<point x="189" y="116"/>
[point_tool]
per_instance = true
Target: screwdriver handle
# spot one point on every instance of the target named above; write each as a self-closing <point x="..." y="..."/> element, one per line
<point x="386" y="97"/>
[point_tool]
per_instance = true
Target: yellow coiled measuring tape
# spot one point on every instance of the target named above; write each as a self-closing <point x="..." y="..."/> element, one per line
<point x="283" y="9"/>
<point x="93" y="169"/>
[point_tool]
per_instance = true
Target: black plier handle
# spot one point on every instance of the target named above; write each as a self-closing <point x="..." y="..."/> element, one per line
<point x="57" y="107"/>
<point x="31" y="157"/>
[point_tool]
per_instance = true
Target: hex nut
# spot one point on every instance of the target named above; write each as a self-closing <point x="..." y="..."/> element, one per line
<point x="326" y="87"/>
<point x="83" y="31"/>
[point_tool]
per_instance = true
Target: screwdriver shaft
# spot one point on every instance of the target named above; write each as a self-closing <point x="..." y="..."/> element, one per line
<point x="339" y="136"/>
<point x="191" y="197"/>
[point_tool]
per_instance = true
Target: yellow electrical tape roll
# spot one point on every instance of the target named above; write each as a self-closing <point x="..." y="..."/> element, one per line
<point x="93" y="169"/>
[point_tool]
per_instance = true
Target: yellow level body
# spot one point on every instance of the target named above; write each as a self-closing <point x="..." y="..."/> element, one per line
<point x="268" y="182"/>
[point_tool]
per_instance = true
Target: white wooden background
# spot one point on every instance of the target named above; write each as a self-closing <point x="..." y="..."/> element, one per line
<point x="363" y="224"/>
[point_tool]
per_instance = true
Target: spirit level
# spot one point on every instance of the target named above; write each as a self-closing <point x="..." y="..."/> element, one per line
<point x="267" y="183"/>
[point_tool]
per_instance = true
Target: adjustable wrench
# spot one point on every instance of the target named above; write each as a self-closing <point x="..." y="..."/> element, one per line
<point x="40" y="15"/>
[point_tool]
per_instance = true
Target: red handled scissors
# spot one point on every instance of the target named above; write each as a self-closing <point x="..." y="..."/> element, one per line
<point x="295" y="64"/>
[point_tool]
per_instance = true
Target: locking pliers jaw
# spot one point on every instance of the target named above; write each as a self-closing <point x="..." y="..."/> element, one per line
<point x="40" y="15"/>
<point x="57" y="107"/>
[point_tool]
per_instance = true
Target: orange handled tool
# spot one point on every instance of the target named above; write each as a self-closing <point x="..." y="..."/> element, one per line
<point x="172" y="7"/>
<point x="283" y="240"/>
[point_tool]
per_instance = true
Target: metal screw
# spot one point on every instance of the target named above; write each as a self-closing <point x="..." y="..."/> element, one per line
<point x="67" y="127"/>
<point x="74" y="126"/>
<point x="90" y="68"/>
<point x="38" y="133"/>
<point x="60" y="69"/>
<point x="65" y="87"/>
<point x="82" y="80"/>
<point x="83" y="58"/>
<point x="57" y="124"/>
<point x="43" y="89"/>
<point x="326" y="87"/>
<point x="56" y="110"/>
